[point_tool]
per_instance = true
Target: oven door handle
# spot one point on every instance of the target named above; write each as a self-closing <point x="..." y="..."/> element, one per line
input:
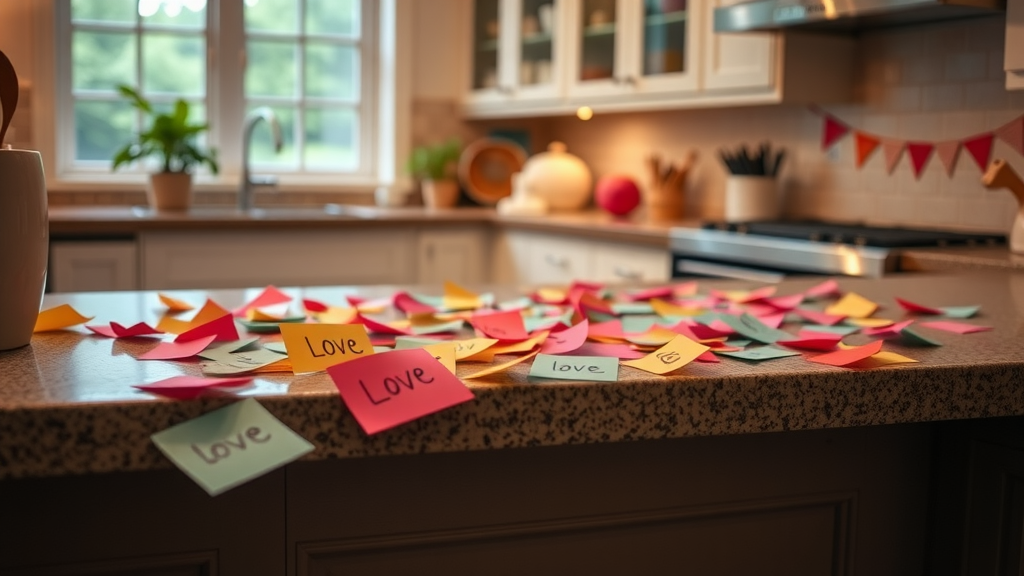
<point x="716" y="270"/>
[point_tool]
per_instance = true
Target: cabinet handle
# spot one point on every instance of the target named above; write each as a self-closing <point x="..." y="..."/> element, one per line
<point x="556" y="261"/>
<point x="627" y="274"/>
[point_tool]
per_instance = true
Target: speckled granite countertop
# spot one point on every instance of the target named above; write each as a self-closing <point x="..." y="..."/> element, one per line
<point x="86" y="221"/>
<point x="67" y="405"/>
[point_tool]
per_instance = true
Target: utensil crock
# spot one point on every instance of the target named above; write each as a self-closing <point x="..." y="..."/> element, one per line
<point x="24" y="243"/>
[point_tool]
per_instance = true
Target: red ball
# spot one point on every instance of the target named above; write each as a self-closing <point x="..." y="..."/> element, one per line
<point x="617" y="194"/>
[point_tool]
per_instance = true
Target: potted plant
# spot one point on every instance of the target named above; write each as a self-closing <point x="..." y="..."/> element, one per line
<point x="434" y="167"/>
<point x="171" y="138"/>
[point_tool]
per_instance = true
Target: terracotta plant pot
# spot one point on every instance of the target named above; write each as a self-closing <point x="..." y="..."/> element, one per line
<point x="440" y="193"/>
<point x="170" y="190"/>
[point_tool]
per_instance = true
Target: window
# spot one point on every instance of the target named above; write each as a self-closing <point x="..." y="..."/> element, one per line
<point x="315" y="63"/>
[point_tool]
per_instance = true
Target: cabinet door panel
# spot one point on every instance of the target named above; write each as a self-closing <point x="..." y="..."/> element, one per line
<point x="455" y="255"/>
<point x="93" y="266"/>
<point x="558" y="261"/>
<point x="736" y="60"/>
<point x="622" y="264"/>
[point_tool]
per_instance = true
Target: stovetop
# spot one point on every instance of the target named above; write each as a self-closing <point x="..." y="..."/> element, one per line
<point x="858" y="235"/>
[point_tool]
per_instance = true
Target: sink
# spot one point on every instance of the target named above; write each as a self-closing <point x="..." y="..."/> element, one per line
<point x="200" y="212"/>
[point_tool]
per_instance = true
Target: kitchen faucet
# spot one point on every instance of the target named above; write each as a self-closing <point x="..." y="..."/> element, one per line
<point x="249" y="182"/>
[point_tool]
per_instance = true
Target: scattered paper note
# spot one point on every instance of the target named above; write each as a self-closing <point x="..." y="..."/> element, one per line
<point x="241" y="362"/>
<point x="187" y="387"/>
<point x="501" y="325"/>
<point x="270" y="296"/>
<point x="227" y="447"/>
<point x="760" y="353"/>
<point x="679" y="352"/>
<point x="443" y="352"/>
<point x="567" y="340"/>
<point x="458" y="298"/>
<point x="222" y="329"/>
<point x="500" y="367"/>
<point x="58" y="318"/>
<point x="177" y="350"/>
<point x="589" y="368"/>
<point x="823" y="342"/>
<point x="750" y="327"/>
<point x="315" y="347"/>
<point x="174" y="304"/>
<point x="853" y="305"/>
<point x="848" y="355"/>
<point x="916" y="308"/>
<point x="224" y="351"/>
<point x="912" y="337"/>
<point x="115" y="330"/>
<point x="957" y="327"/>
<point x="960" y="311"/>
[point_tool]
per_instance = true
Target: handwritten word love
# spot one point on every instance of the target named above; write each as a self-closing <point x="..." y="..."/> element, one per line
<point x="393" y="385"/>
<point x="222" y="450"/>
<point x="331" y="347"/>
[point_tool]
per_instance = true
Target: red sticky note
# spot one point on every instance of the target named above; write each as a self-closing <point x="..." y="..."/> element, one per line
<point x="177" y="350"/>
<point x="115" y="330"/>
<point x="222" y="329"/>
<point x="185" y="387"/>
<point x="567" y="340"/>
<point x="957" y="327"/>
<point x="707" y="332"/>
<point x="773" y="320"/>
<point x="268" y="297"/>
<point x="663" y="292"/>
<point x="887" y="331"/>
<point x="917" y="308"/>
<point x="817" y="317"/>
<point x="849" y="355"/>
<point x="314" y="306"/>
<point x="501" y="325"/>
<point x="380" y="327"/>
<point x="623" y="351"/>
<point x="406" y="303"/>
<point x="813" y="341"/>
<point x="583" y="300"/>
<point x="709" y="357"/>
<point x="389" y="389"/>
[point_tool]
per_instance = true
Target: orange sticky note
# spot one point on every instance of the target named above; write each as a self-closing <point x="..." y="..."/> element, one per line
<point x="337" y="315"/>
<point x="222" y="329"/>
<point x="458" y="298"/>
<point x="656" y="336"/>
<point x="443" y="352"/>
<point x="869" y="322"/>
<point x="173" y="304"/>
<point x="466" y="348"/>
<point x="513" y="347"/>
<point x="679" y="352"/>
<point x="502" y="366"/>
<point x="389" y="389"/>
<point x="848" y="356"/>
<point x="315" y="347"/>
<point x="268" y="297"/>
<point x="883" y="358"/>
<point x="172" y="325"/>
<point x="59" y="317"/>
<point x="668" y="309"/>
<point x="853" y="305"/>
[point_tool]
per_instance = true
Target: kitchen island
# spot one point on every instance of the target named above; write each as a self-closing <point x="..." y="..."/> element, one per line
<point x="779" y="467"/>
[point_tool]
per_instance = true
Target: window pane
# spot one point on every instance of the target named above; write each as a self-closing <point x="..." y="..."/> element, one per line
<point x="332" y="71"/>
<point x="338" y="17"/>
<point x="101" y="128"/>
<point x="262" y="144"/>
<point x="183" y="13"/>
<point x="174" y="64"/>
<point x="271" y="69"/>
<point x="101" y="60"/>
<point x="105" y="11"/>
<point x="272" y="16"/>
<point x="332" y="139"/>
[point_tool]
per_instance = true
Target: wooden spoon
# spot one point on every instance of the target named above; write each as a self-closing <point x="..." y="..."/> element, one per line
<point x="8" y="94"/>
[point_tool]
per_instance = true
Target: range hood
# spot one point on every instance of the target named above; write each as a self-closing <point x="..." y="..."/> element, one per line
<point x="845" y="15"/>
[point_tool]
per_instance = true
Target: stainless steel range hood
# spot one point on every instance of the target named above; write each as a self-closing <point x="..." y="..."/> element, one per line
<point x="845" y="15"/>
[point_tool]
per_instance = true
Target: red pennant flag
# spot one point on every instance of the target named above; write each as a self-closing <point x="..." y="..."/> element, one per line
<point x="893" y="150"/>
<point x="834" y="130"/>
<point x="865" y="146"/>
<point x="1013" y="134"/>
<point x="980" y="148"/>
<point x="919" y="152"/>
<point x="948" y="152"/>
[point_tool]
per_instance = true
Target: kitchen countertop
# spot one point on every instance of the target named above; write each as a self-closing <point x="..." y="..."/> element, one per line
<point x="67" y="405"/>
<point x="947" y="259"/>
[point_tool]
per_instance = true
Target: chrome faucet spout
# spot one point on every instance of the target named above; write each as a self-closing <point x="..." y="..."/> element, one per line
<point x="249" y="182"/>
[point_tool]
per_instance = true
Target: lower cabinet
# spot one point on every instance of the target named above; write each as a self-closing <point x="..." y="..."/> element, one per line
<point x="452" y="254"/>
<point x="531" y="258"/>
<point x="92" y="265"/>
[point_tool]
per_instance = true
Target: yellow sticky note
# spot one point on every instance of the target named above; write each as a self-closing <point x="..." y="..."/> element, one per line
<point x="443" y="352"/>
<point x="551" y="294"/>
<point x="337" y="315"/>
<point x="663" y="308"/>
<point x="174" y="305"/>
<point x="853" y="305"/>
<point x="656" y="336"/>
<point x="257" y="315"/>
<point x="315" y="347"/>
<point x="883" y="358"/>
<point x="676" y="354"/>
<point x="502" y="366"/>
<point x="522" y="346"/>
<point x="58" y="317"/>
<point x="172" y="325"/>
<point x="458" y="298"/>
<point x="870" y="322"/>
<point x="209" y="312"/>
<point x="466" y="348"/>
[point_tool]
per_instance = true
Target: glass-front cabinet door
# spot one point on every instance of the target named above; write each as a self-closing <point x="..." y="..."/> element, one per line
<point x="632" y="46"/>
<point x="516" y="49"/>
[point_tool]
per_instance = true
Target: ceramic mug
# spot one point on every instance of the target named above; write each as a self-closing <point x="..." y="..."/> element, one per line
<point x="751" y="198"/>
<point x="24" y="243"/>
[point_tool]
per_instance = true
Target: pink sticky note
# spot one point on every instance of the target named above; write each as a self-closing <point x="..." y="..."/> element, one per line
<point x="389" y="389"/>
<point x="567" y="340"/>
<point x="887" y="331"/>
<point x="703" y="332"/>
<point x="269" y="297"/>
<point x="587" y="300"/>
<point x="623" y="351"/>
<point x="115" y="330"/>
<point x="786" y="302"/>
<point x="757" y="309"/>
<point x="609" y="329"/>
<point x="813" y="341"/>
<point x="827" y="288"/>
<point x="406" y="303"/>
<point x="379" y="327"/>
<point x="663" y="292"/>
<point x="957" y="327"/>
<point x="819" y="317"/>
<point x="849" y="355"/>
<point x="185" y="387"/>
<point x="506" y="325"/>
<point x="222" y="329"/>
<point x="708" y="357"/>
<point x="917" y="308"/>
<point x="177" y="350"/>
<point x="773" y="320"/>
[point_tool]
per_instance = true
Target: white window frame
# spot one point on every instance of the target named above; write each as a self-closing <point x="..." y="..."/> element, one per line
<point x="385" y="119"/>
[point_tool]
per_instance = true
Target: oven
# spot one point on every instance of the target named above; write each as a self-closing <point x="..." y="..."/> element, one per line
<point x="771" y="251"/>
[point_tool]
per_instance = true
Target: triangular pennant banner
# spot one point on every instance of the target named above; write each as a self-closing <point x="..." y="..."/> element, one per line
<point x="865" y="146"/>
<point x="834" y="130"/>
<point x="948" y="152"/>
<point x="893" y="150"/>
<point x="980" y="149"/>
<point x="919" y="152"/>
<point x="1013" y="134"/>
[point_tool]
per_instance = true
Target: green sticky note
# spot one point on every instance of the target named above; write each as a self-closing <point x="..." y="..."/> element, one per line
<point x="760" y="353"/>
<point x="533" y="323"/>
<point x="590" y="368"/>
<point x="240" y="362"/>
<point x="453" y="326"/>
<point x="637" y="323"/>
<point x="223" y="351"/>
<point x="913" y="338"/>
<point x="960" y="311"/>
<point x="749" y="326"/>
<point x="407" y="342"/>
<point x="632" y="308"/>
<point x="844" y="330"/>
<point x="278" y="347"/>
<point x="523" y="302"/>
<point x="738" y="342"/>
<point x="230" y="446"/>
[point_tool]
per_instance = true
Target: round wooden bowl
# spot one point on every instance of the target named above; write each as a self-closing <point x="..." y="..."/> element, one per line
<point x="486" y="168"/>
